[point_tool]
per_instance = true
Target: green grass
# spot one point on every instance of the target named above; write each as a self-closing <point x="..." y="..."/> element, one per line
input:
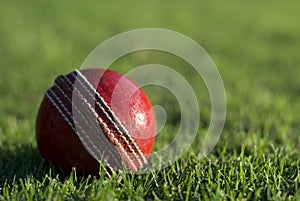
<point x="256" y="48"/>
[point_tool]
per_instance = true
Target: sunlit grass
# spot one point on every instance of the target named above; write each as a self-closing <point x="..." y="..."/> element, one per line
<point x="256" y="48"/>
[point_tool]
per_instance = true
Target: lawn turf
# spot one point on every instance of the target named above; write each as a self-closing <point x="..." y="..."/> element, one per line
<point x="256" y="48"/>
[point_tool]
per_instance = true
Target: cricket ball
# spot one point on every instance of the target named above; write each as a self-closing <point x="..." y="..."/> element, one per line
<point x="95" y="116"/>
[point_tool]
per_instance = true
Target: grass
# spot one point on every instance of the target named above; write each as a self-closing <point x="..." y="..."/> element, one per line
<point x="255" y="46"/>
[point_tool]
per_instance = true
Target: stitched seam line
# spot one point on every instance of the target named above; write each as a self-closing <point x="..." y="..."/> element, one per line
<point x="117" y="123"/>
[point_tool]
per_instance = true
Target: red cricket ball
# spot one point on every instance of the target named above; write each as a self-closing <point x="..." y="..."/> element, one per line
<point x="95" y="116"/>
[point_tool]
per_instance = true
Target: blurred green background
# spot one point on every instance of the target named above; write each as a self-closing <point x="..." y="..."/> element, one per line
<point x="255" y="46"/>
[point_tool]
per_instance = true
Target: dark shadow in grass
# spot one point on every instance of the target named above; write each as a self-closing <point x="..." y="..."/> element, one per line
<point x="22" y="161"/>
